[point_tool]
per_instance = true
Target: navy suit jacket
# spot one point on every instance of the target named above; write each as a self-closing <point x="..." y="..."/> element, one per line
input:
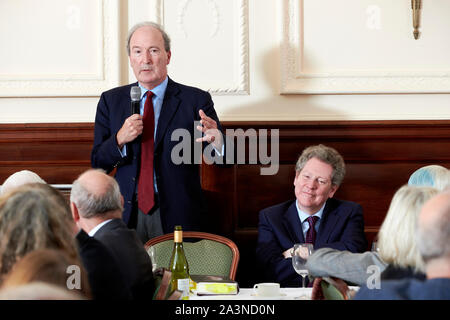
<point x="341" y="227"/>
<point x="180" y="195"/>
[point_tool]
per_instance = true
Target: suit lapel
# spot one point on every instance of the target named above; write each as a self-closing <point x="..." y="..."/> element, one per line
<point x="293" y="225"/>
<point x="329" y="220"/>
<point x="169" y="107"/>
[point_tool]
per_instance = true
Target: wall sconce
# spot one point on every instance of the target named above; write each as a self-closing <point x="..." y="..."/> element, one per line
<point x="416" y="6"/>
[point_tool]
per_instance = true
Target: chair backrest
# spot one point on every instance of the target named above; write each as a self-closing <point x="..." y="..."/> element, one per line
<point x="211" y="255"/>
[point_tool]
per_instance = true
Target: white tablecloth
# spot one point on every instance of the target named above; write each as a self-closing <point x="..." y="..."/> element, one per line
<point x="248" y="294"/>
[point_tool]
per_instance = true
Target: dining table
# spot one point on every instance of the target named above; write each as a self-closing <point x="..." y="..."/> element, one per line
<point x="250" y="294"/>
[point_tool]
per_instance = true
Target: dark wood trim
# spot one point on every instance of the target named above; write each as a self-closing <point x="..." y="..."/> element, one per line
<point x="379" y="155"/>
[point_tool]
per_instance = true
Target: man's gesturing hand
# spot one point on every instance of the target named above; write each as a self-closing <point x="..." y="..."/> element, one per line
<point x="210" y="131"/>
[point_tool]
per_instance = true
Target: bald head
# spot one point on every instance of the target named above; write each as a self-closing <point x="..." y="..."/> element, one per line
<point x="434" y="228"/>
<point x="95" y="182"/>
<point x="96" y="194"/>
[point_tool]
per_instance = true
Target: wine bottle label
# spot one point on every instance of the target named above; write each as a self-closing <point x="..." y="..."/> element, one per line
<point x="178" y="236"/>
<point x="183" y="285"/>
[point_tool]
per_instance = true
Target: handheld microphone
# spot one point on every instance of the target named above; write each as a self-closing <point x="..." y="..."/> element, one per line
<point x="135" y="94"/>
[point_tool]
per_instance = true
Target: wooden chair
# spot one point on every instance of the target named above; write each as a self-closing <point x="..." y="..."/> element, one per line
<point x="210" y="255"/>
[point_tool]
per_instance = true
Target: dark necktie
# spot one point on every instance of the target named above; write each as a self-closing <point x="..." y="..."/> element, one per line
<point x="146" y="199"/>
<point x="311" y="233"/>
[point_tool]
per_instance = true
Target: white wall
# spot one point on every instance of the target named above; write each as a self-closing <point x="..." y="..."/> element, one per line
<point x="261" y="59"/>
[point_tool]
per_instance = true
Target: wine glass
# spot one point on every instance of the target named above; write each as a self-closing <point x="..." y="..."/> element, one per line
<point x="300" y="255"/>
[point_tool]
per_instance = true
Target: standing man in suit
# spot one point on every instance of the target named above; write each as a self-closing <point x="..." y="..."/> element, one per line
<point x="97" y="206"/>
<point x="159" y="193"/>
<point x="314" y="217"/>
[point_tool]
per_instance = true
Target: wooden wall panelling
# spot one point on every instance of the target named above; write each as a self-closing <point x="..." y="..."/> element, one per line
<point x="379" y="156"/>
<point x="56" y="152"/>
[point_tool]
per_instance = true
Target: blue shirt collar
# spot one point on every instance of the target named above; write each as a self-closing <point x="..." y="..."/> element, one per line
<point x="303" y="215"/>
<point x="158" y="91"/>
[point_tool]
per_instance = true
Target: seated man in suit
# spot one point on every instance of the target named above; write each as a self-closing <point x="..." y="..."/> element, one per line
<point x="314" y="217"/>
<point x="433" y="241"/>
<point x="97" y="207"/>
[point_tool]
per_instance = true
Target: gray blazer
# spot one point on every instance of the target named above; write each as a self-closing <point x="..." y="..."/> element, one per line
<point x="345" y="265"/>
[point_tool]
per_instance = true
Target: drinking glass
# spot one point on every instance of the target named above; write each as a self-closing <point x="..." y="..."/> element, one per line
<point x="152" y="253"/>
<point x="300" y="255"/>
<point x="374" y="246"/>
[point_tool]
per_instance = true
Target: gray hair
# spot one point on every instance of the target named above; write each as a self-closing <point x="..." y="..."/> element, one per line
<point x="433" y="238"/>
<point x="433" y="175"/>
<point x="327" y="155"/>
<point x="20" y="178"/>
<point x="92" y="204"/>
<point x="155" y="25"/>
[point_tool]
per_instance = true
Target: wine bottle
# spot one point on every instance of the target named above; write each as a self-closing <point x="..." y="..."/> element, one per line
<point x="179" y="266"/>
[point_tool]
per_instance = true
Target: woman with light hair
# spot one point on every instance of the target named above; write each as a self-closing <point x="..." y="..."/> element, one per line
<point x="397" y="255"/>
<point x="435" y="176"/>
<point x="33" y="217"/>
<point x="397" y="236"/>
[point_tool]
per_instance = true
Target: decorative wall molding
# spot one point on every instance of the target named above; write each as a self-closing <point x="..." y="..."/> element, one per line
<point x="241" y="87"/>
<point x="214" y="12"/>
<point x="294" y="80"/>
<point x="104" y="77"/>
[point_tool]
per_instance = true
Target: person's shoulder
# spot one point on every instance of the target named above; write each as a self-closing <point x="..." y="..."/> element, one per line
<point x="434" y="289"/>
<point x="278" y="208"/>
<point x="186" y="89"/>
<point x="388" y="290"/>
<point x="343" y="205"/>
<point x="125" y="89"/>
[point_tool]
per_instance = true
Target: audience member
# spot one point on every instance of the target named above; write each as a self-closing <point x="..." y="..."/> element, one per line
<point x="352" y="266"/>
<point x="433" y="176"/>
<point x="20" y="178"/>
<point x="104" y="276"/>
<point x="433" y="241"/>
<point x="49" y="266"/>
<point x="97" y="206"/>
<point x="30" y="219"/>
<point x="315" y="216"/>
<point x="397" y="255"/>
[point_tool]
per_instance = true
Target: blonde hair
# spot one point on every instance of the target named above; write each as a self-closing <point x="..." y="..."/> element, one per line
<point x="396" y="238"/>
